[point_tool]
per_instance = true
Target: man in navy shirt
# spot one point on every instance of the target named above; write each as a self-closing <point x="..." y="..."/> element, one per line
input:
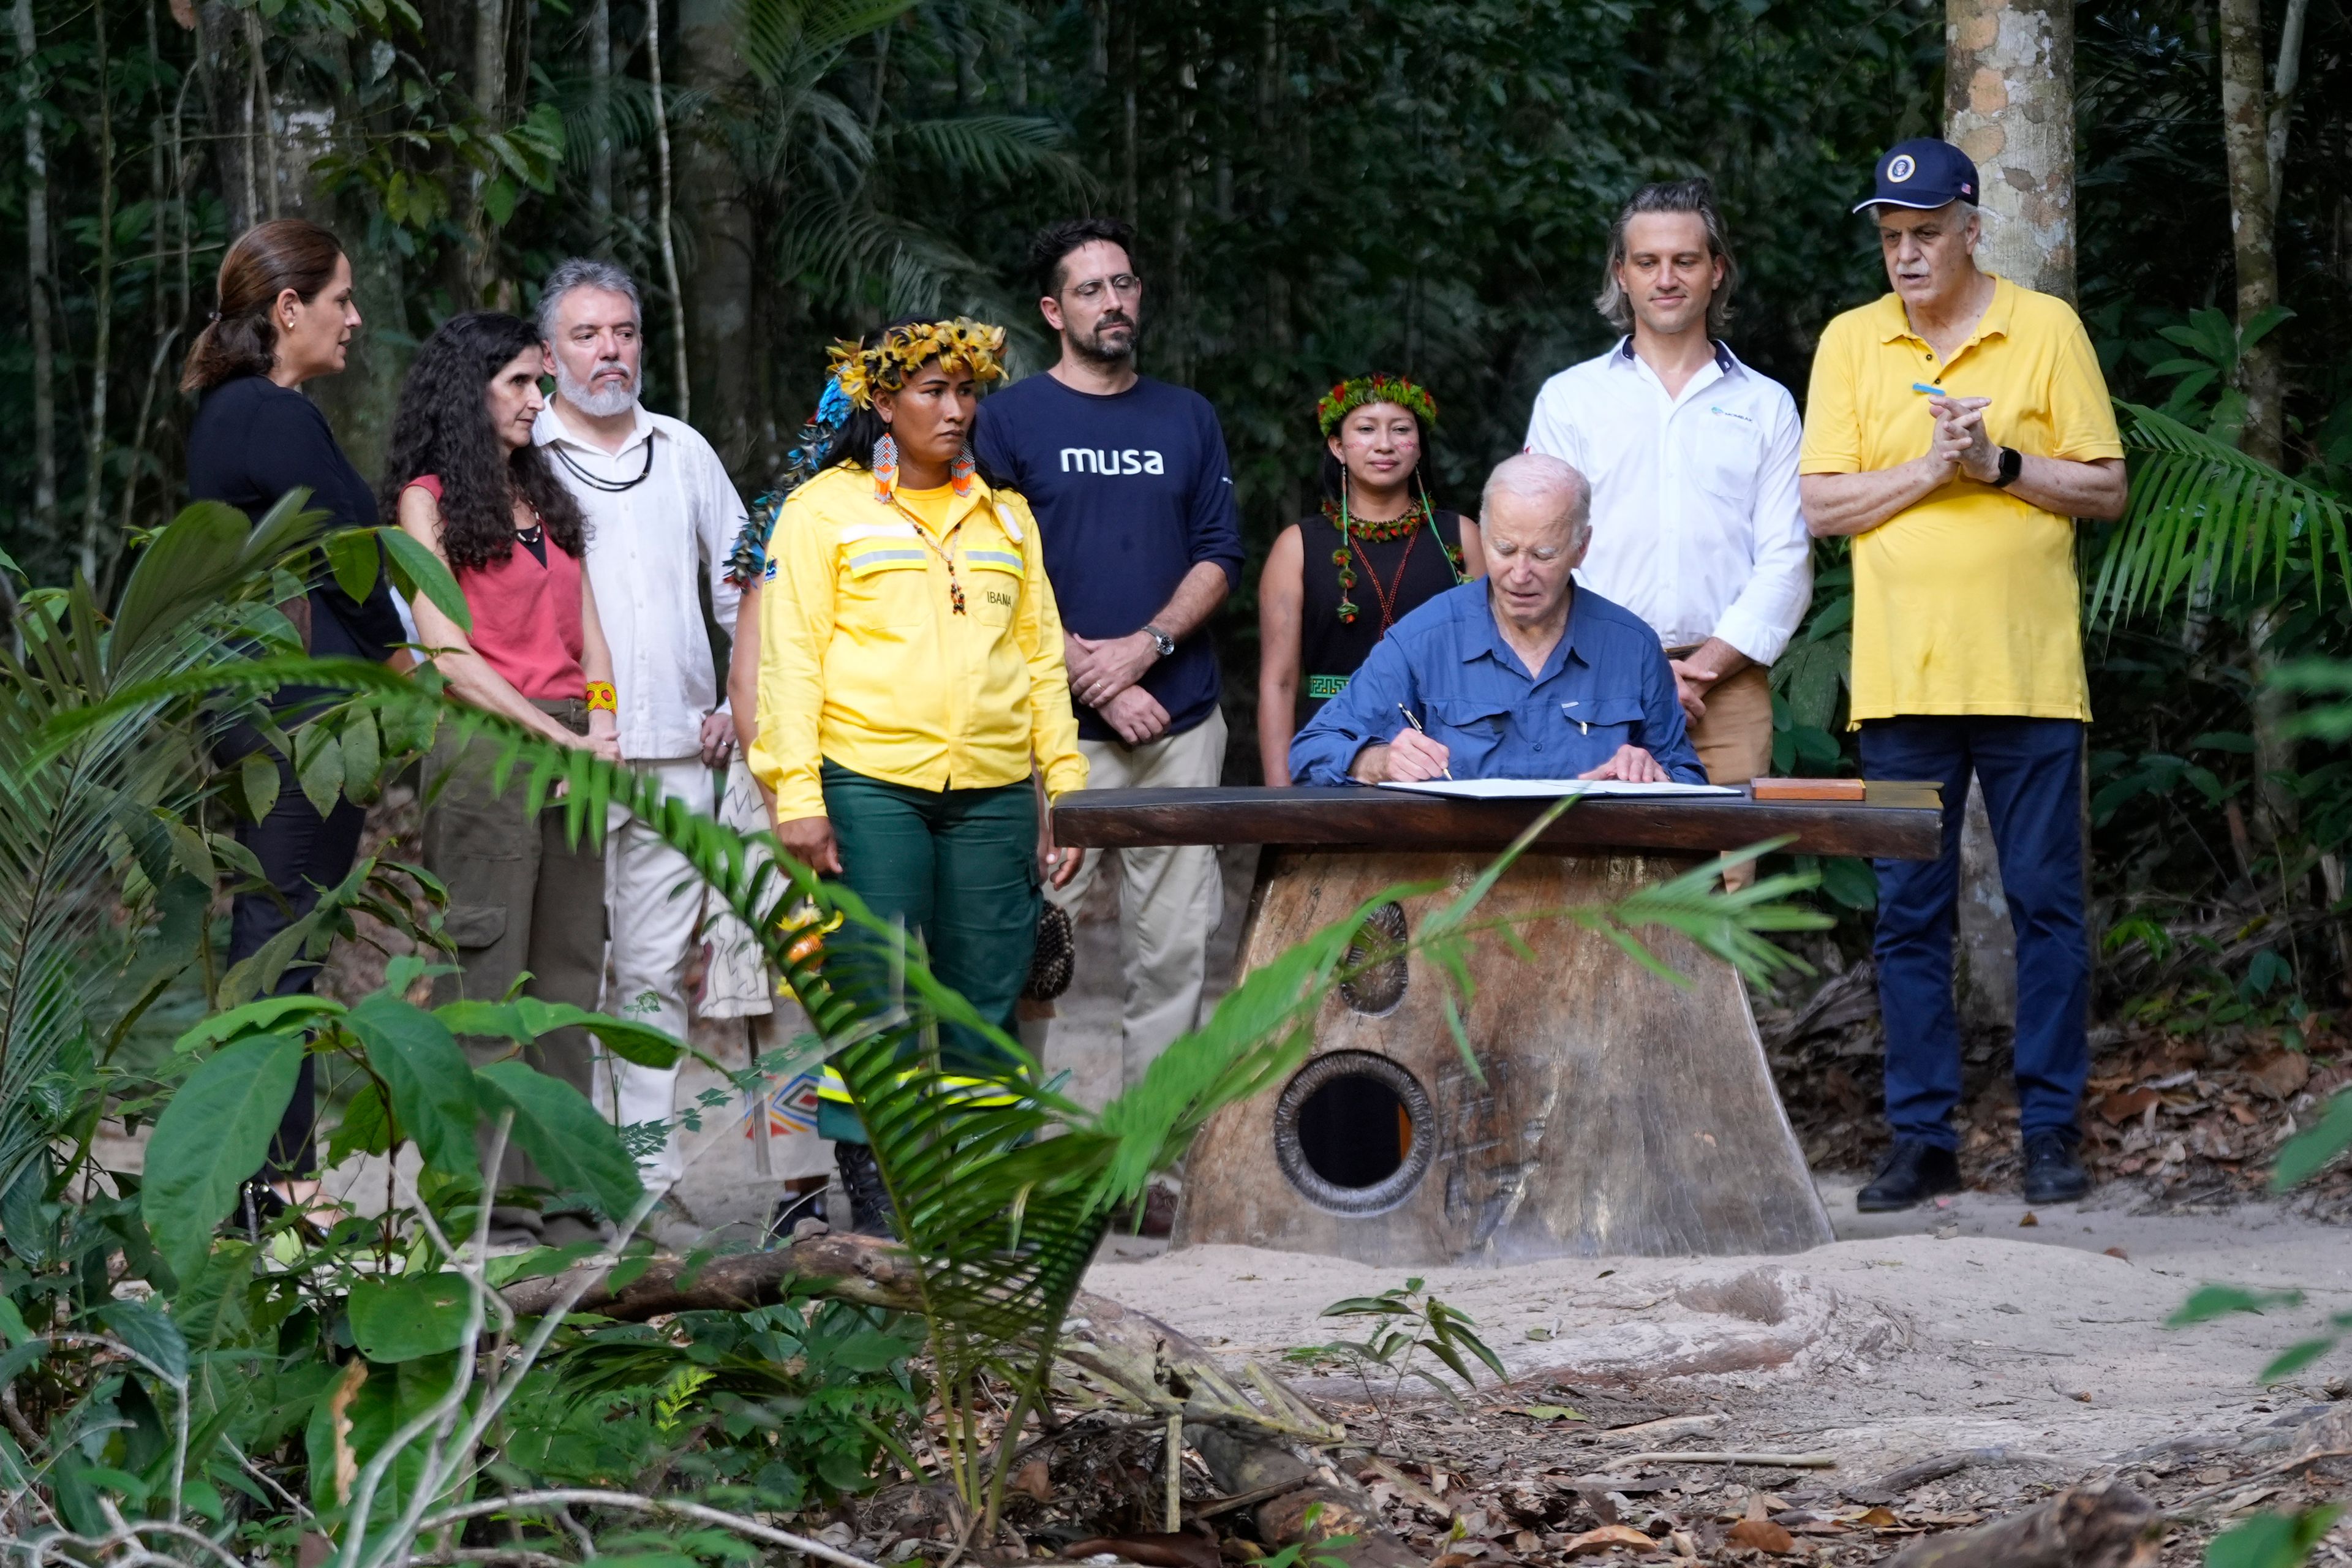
<point x="1134" y="501"/>
<point x="1522" y="674"/>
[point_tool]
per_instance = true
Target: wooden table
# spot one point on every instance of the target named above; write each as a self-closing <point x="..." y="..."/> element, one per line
<point x="1619" y="1112"/>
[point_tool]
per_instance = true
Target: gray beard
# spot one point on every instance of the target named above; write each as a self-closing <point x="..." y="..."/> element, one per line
<point x="597" y="405"/>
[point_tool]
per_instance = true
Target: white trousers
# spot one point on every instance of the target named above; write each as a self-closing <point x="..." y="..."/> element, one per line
<point x="1170" y="899"/>
<point x="654" y="902"/>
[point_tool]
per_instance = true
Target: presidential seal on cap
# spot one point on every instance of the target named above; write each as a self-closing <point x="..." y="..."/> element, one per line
<point x="1923" y="173"/>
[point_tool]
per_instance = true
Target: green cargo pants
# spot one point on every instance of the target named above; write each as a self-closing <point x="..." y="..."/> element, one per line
<point x="959" y="867"/>
<point x="521" y="897"/>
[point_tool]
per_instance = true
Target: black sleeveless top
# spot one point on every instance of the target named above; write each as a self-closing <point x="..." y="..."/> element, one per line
<point x="1394" y="577"/>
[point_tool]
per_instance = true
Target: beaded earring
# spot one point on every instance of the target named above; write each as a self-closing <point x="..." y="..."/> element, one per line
<point x="960" y="472"/>
<point x="885" y="465"/>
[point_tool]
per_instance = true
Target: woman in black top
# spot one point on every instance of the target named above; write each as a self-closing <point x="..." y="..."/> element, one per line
<point x="1336" y="580"/>
<point x="286" y="317"/>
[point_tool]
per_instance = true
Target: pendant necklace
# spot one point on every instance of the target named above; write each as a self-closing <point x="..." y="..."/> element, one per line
<point x="610" y="487"/>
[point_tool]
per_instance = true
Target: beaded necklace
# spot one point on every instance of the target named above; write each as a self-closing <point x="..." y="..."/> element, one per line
<point x="1417" y="512"/>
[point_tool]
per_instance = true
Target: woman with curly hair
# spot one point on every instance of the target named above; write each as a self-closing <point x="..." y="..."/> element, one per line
<point x="468" y="484"/>
<point x="912" y="695"/>
<point x="1338" y="579"/>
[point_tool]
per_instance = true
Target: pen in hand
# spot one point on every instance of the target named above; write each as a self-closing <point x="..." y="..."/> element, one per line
<point x="1416" y="724"/>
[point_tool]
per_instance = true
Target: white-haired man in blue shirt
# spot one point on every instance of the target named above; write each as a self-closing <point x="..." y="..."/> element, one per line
<point x="1521" y="674"/>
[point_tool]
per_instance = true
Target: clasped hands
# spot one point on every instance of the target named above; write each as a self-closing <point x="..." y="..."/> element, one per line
<point x="1961" y="444"/>
<point x="1103" y="675"/>
<point x="1413" y="758"/>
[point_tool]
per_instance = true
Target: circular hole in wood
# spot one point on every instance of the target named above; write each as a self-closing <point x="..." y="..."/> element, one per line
<point x="1352" y="1132"/>
<point x="1379" y="989"/>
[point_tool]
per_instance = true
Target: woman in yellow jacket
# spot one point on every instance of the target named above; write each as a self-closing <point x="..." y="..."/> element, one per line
<point x="911" y="688"/>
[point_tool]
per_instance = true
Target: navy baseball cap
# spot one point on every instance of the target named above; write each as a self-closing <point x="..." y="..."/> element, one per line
<point x="1923" y="173"/>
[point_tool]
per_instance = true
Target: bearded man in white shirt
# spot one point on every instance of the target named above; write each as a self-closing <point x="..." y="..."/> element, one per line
<point x="662" y="515"/>
<point x="1693" y="461"/>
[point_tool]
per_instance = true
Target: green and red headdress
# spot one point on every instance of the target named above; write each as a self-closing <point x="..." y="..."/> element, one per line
<point x="1379" y="387"/>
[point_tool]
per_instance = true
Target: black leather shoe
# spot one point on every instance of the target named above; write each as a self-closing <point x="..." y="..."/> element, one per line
<point x="869" y="1201"/>
<point x="2052" y="1175"/>
<point x="1910" y="1173"/>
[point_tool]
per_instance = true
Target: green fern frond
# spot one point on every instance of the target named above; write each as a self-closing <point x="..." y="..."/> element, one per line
<point x="2204" y="514"/>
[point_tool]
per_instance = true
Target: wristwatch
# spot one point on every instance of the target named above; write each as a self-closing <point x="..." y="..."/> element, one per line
<point x="2012" y="463"/>
<point x="1166" y="644"/>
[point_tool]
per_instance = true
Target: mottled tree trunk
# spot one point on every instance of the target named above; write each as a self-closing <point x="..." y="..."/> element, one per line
<point x="2246" y="141"/>
<point x="2008" y="103"/>
<point x="41" y="287"/>
<point x="600" y="111"/>
<point x="93" y="555"/>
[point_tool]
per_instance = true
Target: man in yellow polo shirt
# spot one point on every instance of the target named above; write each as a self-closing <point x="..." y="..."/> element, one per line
<point x="1955" y="427"/>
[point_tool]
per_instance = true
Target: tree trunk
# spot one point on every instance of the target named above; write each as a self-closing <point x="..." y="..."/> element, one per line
<point x="93" y="508"/>
<point x="665" y="217"/>
<point x="599" y="114"/>
<point x="2008" y="103"/>
<point x="41" y="287"/>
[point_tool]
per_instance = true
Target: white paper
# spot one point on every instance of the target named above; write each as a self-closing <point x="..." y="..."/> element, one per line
<point x="1549" y="789"/>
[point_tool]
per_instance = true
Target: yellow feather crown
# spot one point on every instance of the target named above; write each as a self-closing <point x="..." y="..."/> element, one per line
<point x="862" y="371"/>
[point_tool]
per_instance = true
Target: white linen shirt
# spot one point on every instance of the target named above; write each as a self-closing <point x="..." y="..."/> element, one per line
<point x="1695" y="525"/>
<point x="647" y="545"/>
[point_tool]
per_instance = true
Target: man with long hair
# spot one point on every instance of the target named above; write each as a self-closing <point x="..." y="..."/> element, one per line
<point x="1693" y="460"/>
<point x="662" y="515"/>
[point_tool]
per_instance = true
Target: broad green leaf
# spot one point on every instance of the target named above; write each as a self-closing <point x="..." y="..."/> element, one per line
<point x="267" y="1015"/>
<point x="365" y="1128"/>
<point x="318" y="767"/>
<point x="147" y="1331"/>
<point x="354" y="556"/>
<point x="12" y="1322"/>
<point x="408" y="1316"/>
<point x="2309" y="1152"/>
<point x="2298" y="1356"/>
<point x="419" y="571"/>
<point x="2212" y="1302"/>
<point x="431" y="1081"/>
<point x="625" y="1038"/>
<point x="362" y="758"/>
<point x="2271" y="1540"/>
<point x="214" y="1134"/>
<point x="556" y="1126"/>
<point x="258" y="779"/>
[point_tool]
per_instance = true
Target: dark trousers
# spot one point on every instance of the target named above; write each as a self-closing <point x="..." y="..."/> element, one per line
<point x="959" y="867"/>
<point x="301" y="853"/>
<point x="2031" y="772"/>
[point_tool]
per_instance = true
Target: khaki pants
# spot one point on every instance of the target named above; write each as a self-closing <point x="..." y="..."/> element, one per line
<point x="1170" y="902"/>
<point x="521" y="896"/>
<point x="1734" y="739"/>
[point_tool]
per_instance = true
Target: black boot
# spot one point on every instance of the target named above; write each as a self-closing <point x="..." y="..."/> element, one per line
<point x="869" y="1201"/>
<point x="2052" y="1175"/>
<point x="1910" y="1173"/>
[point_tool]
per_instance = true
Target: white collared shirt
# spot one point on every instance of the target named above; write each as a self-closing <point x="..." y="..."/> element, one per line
<point x="647" y="547"/>
<point x="1695" y="525"/>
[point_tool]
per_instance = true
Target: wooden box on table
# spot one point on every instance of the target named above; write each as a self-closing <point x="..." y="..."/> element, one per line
<point x="1620" y="1112"/>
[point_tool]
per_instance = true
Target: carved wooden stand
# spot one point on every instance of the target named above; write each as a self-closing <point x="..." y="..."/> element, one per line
<point x="1620" y="1112"/>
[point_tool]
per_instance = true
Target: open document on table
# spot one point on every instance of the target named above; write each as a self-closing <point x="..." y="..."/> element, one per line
<point x="1549" y="789"/>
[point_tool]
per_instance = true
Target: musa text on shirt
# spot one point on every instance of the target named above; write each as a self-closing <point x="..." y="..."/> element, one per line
<point x="1130" y="461"/>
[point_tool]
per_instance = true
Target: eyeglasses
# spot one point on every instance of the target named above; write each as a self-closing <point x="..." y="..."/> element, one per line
<point x="1121" y="283"/>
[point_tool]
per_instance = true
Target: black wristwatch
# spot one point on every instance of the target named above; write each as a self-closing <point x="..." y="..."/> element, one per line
<point x="1162" y="641"/>
<point x="2012" y="463"/>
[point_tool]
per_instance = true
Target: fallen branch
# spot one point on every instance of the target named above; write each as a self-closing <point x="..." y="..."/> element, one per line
<point x="1894" y="1483"/>
<point x="526" y="1502"/>
<point x="1109" y="1356"/>
<point x="1764" y="1461"/>
<point x="1662" y="1431"/>
<point x="2107" y="1525"/>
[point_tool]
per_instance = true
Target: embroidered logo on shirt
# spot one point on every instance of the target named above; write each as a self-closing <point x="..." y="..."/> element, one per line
<point x="1729" y="413"/>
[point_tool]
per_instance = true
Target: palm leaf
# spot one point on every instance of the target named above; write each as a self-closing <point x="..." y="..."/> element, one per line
<point x="2204" y="514"/>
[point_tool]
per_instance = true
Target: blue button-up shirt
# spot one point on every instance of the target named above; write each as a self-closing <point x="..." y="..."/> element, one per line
<point x="1606" y="685"/>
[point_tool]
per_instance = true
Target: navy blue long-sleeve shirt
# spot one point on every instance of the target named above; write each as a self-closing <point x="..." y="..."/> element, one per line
<point x="1130" y="492"/>
<point x="1606" y="685"/>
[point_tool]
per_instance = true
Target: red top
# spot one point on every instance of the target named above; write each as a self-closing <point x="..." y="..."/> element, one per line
<point x="526" y="616"/>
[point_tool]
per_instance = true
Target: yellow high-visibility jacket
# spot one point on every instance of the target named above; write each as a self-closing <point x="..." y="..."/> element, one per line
<point x="864" y="660"/>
